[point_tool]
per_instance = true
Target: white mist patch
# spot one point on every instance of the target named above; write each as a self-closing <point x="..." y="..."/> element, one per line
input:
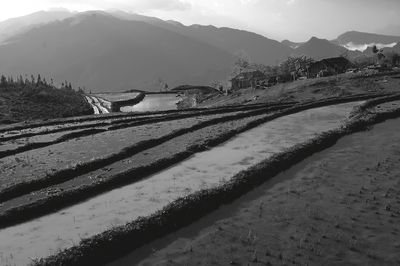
<point x="362" y="47"/>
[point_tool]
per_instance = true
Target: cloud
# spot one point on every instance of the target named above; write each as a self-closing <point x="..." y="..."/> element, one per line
<point x="290" y="2"/>
<point x="162" y="5"/>
<point x="134" y="5"/>
<point x="249" y="2"/>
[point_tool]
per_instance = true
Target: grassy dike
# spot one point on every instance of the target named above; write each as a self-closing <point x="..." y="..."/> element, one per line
<point x="121" y="240"/>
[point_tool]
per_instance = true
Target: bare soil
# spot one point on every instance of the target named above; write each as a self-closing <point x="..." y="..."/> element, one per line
<point x="338" y="207"/>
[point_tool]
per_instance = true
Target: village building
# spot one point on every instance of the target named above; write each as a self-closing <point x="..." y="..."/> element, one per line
<point x="247" y="79"/>
<point x="328" y="66"/>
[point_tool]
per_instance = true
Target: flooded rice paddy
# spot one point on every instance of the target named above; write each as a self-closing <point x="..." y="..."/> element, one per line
<point x="154" y="102"/>
<point x="47" y="235"/>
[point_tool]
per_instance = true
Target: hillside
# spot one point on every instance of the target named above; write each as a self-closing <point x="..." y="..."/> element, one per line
<point x="27" y="100"/>
<point x="104" y="53"/>
<point x="118" y="51"/>
<point x="259" y="48"/>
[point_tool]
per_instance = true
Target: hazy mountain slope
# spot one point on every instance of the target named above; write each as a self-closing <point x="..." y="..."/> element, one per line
<point x="104" y="53"/>
<point x="14" y="26"/>
<point x="319" y="49"/>
<point x="259" y="48"/>
<point x="363" y="37"/>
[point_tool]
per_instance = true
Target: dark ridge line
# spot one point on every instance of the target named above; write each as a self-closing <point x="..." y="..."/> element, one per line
<point x="48" y="205"/>
<point x="86" y="167"/>
<point x="119" y="241"/>
<point x="133" y="119"/>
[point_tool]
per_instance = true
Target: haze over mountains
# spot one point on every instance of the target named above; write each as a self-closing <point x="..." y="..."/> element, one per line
<point x="118" y="51"/>
<point x="14" y="26"/>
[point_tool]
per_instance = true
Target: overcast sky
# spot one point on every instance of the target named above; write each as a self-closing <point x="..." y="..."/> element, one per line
<point x="296" y="20"/>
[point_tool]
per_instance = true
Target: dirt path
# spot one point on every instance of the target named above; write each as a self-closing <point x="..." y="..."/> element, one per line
<point x="338" y="207"/>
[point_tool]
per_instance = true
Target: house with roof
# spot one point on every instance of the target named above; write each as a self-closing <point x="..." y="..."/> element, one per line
<point x="328" y="66"/>
<point x="246" y="79"/>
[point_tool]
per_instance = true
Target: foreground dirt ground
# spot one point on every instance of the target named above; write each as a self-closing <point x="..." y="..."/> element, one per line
<point x="338" y="207"/>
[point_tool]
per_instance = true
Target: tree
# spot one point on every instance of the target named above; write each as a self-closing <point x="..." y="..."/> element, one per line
<point x="3" y="81"/>
<point x="39" y="80"/>
<point x="295" y="66"/>
<point x="241" y="63"/>
<point x="379" y="53"/>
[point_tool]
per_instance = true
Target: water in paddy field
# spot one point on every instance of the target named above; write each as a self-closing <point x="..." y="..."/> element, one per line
<point x="44" y="236"/>
<point x="154" y="102"/>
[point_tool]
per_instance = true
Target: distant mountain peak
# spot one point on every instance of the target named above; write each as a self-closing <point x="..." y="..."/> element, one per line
<point x="314" y="39"/>
<point x="319" y="49"/>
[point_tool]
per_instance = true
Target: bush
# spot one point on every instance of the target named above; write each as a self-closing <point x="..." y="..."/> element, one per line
<point x="36" y="99"/>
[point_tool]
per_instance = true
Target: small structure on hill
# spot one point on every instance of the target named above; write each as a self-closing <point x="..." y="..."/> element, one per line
<point x="247" y="79"/>
<point x="328" y="66"/>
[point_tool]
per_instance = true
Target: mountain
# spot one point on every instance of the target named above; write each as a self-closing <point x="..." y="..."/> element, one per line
<point x="115" y="50"/>
<point x="259" y="48"/>
<point x="354" y="40"/>
<point x="120" y="51"/>
<point x="319" y="49"/>
<point x="15" y="26"/>
<point x="104" y="53"/>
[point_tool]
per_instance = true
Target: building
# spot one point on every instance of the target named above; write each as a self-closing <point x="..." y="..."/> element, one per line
<point x="328" y="66"/>
<point x="247" y="79"/>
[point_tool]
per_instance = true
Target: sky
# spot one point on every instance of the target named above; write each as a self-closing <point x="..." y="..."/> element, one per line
<point x="296" y="20"/>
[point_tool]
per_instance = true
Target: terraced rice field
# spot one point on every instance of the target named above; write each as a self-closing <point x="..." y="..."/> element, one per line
<point x="153" y="102"/>
<point x="64" y="181"/>
<point x="113" y="97"/>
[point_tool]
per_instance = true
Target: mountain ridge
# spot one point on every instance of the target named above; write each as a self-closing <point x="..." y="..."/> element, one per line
<point x="119" y="51"/>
